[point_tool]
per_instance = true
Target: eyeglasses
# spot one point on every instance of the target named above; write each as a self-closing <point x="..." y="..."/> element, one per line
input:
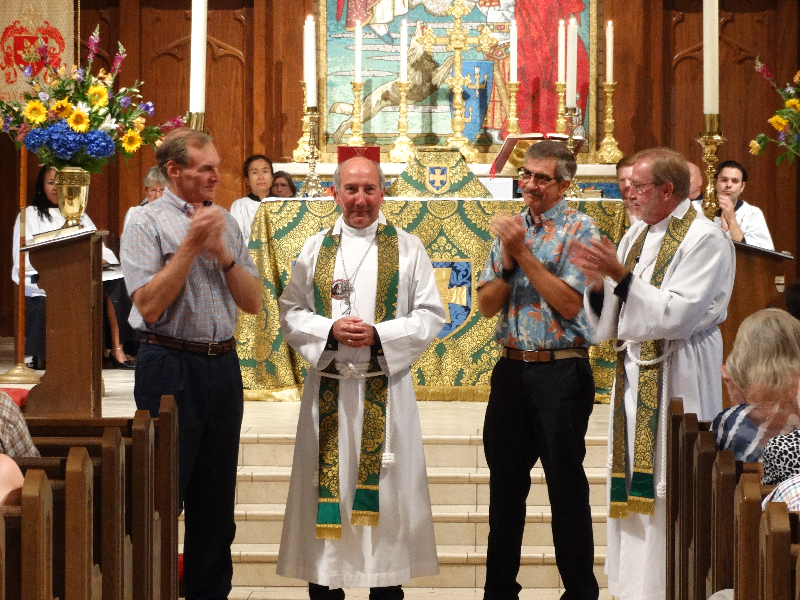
<point x="540" y="179"/>
<point x="639" y="187"/>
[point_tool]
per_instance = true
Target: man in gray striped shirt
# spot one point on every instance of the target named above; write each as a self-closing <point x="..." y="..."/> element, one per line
<point x="187" y="268"/>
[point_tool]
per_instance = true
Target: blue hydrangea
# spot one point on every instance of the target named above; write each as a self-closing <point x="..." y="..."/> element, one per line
<point x="99" y="144"/>
<point x="35" y="139"/>
<point x="63" y="141"/>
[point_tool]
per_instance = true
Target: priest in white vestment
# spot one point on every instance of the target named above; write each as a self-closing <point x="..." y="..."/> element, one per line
<point x="361" y="306"/>
<point x="662" y="295"/>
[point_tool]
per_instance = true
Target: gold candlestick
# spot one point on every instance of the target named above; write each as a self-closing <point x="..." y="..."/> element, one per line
<point x="513" y="121"/>
<point x="355" y="122"/>
<point x="561" y="120"/>
<point x="711" y="139"/>
<point x="609" y="151"/>
<point x="570" y="114"/>
<point x="300" y="154"/>
<point x="312" y="187"/>
<point x="403" y="150"/>
<point x="197" y="120"/>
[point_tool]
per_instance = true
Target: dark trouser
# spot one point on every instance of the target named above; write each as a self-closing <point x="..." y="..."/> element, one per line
<point x="323" y="592"/>
<point x="35" y="322"/>
<point x="208" y="391"/>
<point x="539" y="411"/>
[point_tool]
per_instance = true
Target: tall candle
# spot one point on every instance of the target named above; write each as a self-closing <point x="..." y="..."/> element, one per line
<point x="562" y="55"/>
<point x="610" y="53"/>
<point x="572" y="62"/>
<point x="404" y="51"/>
<point x="310" y="61"/>
<point x="197" y="57"/>
<point x="711" y="57"/>
<point x="358" y="52"/>
<point x="513" y="67"/>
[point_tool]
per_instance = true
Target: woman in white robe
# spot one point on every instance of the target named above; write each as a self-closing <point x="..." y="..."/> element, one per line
<point x="258" y="176"/>
<point x="402" y="545"/>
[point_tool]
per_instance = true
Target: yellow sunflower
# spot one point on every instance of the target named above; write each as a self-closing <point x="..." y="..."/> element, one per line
<point x="98" y="95"/>
<point x="35" y="112"/>
<point x="778" y="122"/>
<point x="793" y="103"/>
<point x="78" y="121"/>
<point x="63" y="107"/>
<point x="131" y="141"/>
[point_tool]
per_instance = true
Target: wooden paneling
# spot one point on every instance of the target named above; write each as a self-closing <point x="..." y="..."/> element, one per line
<point x="254" y="99"/>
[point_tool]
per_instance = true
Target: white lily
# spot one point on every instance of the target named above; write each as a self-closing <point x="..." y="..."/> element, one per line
<point x="109" y="124"/>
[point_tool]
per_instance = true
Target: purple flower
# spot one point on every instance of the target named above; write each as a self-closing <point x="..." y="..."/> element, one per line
<point x="125" y="102"/>
<point x="43" y="52"/>
<point x="27" y="71"/>
<point x="44" y="96"/>
<point x="79" y="74"/>
<point x="148" y="108"/>
<point x="93" y="44"/>
<point x="782" y="136"/>
<point x="7" y="123"/>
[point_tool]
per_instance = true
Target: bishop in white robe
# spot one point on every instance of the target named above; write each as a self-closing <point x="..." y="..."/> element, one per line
<point x="684" y="314"/>
<point x="402" y="544"/>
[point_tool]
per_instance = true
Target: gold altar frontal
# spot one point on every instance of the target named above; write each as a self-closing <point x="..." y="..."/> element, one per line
<point x="458" y="363"/>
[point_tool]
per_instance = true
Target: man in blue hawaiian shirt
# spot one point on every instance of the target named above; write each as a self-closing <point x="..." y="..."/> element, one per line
<point x="542" y="390"/>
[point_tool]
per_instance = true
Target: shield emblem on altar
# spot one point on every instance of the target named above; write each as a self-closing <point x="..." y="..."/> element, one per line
<point x="476" y="94"/>
<point x="19" y="48"/>
<point x="438" y="179"/>
<point x="454" y="281"/>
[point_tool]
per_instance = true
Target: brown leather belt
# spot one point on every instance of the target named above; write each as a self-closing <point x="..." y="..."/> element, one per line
<point x="544" y="355"/>
<point x="211" y="349"/>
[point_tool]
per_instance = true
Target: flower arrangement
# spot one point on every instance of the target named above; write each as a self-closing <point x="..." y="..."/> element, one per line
<point x="786" y="120"/>
<point x="72" y="117"/>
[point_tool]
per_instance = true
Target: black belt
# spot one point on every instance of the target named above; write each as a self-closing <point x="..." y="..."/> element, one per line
<point x="544" y="355"/>
<point x="211" y="348"/>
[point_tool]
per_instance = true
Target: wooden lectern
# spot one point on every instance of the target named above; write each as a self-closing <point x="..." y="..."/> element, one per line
<point x="760" y="277"/>
<point x="70" y="272"/>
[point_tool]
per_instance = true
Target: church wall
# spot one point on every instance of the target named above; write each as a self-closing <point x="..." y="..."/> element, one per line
<point x="253" y="102"/>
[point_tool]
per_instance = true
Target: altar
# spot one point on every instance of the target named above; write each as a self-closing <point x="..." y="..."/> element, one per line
<point x="458" y="363"/>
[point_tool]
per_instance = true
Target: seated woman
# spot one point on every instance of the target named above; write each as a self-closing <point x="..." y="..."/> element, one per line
<point x="43" y="215"/>
<point x="258" y="176"/>
<point x="282" y="186"/>
<point x="762" y="374"/>
<point x="154" y="183"/>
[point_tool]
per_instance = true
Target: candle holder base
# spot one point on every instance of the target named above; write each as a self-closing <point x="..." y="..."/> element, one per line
<point x="20" y="373"/>
<point x="609" y="152"/>
<point x="355" y="123"/>
<point x="197" y="121"/>
<point x="561" y="119"/>
<point x="513" y="121"/>
<point x="300" y="154"/>
<point x="711" y="139"/>
<point x="402" y="151"/>
<point x="312" y="188"/>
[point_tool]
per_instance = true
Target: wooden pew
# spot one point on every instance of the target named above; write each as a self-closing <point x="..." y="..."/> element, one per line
<point x="28" y="540"/>
<point x="165" y="493"/>
<point x="673" y="461"/>
<point x="779" y="549"/>
<point x="703" y="456"/>
<point x="139" y="514"/>
<point x="75" y="575"/>
<point x="747" y="514"/>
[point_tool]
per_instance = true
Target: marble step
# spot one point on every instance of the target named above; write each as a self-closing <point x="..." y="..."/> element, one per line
<point x="453" y="525"/>
<point x="414" y="593"/>
<point x="440" y="451"/>
<point x="459" y="567"/>
<point x="448" y="486"/>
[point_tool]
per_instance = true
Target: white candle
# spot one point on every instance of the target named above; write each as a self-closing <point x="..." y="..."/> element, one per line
<point x="562" y="56"/>
<point x="404" y="51"/>
<point x="610" y="53"/>
<point x="358" y="52"/>
<point x="711" y="57"/>
<point x="572" y="62"/>
<point x="513" y="68"/>
<point x="197" y="60"/>
<point x="310" y="61"/>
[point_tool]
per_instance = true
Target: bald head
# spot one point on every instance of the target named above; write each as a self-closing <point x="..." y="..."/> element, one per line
<point x="695" y="181"/>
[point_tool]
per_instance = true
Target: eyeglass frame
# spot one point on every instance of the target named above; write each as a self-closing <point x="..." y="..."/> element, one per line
<point x="540" y="179"/>
<point x="638" y="187"/>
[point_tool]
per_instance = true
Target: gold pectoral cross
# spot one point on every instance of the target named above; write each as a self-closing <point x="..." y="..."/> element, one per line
<point x="456" y="295"/>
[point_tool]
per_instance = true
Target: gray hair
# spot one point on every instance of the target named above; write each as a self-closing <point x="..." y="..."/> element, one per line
<point x="155" y="177"/>
<point x="668" y="166"/>
<point x="175" y="147"/>
<point x="337" y="176"/>
<point x="566" y="167"/>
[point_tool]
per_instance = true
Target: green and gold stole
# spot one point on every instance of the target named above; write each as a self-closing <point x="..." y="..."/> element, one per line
<point x="373" y="432"/>
<point x="641" y="498"/>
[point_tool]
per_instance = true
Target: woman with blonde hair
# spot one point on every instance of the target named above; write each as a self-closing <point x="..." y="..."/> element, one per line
<point x="762" y="374"/>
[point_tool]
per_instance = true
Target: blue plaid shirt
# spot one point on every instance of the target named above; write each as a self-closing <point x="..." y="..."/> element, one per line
<point x="527" y="321"/>
<point x="204" y="310"/>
